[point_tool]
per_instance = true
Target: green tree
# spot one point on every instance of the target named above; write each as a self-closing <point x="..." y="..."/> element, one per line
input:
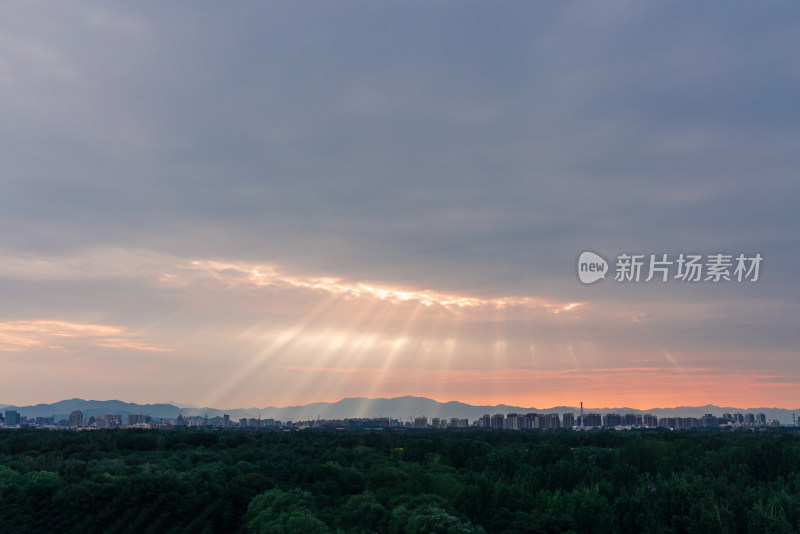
<point x="276" y="512"/>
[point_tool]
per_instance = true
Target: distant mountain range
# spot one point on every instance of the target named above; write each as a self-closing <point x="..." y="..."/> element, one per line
<point x="401" y="408"/>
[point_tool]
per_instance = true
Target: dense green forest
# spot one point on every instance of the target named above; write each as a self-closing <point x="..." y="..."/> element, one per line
<point x="399" y="481"/>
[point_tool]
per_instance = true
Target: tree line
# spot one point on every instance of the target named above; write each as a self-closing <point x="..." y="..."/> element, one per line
<point x="399" y="481"/>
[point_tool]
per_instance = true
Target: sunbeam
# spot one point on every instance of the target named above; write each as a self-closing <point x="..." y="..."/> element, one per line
<point x="397" y="345"/>
<point x="260" y="357"/>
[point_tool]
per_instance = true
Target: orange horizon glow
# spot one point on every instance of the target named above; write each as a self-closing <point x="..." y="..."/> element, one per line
<point x="636" y="388"/>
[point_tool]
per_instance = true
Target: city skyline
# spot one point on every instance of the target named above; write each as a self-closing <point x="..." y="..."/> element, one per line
<point x="548" y="420"/>
<point x="404" y="409"/>
<point x="275" y="204"/>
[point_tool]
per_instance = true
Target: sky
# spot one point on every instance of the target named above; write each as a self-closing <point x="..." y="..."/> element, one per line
<point x="276" y="203"/>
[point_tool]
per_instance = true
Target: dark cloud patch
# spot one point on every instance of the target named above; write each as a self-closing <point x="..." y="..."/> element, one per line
<point x="464" y="146"/>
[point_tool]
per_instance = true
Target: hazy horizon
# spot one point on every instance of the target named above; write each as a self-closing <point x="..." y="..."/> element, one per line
<point x="272" y="204"/>
<point x="183" y="406"/>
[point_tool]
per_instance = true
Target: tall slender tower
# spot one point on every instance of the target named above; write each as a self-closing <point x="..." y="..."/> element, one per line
<point x="581" y="414"/>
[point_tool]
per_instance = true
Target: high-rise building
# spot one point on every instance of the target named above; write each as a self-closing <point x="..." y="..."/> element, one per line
<point x="421" y="422"/>
<point x="76" y="418"/>
<point x="632" y="420"/>
<point x="611" y="420"/>
<point x="568" y="420"/>
<point x="513" y="421"/>
<point x="532" y="421"/>
<point x="591" y="420"/>
<point x="497" y="421"/>
<point x="549" y="421"/>
<point x="526" y="421"/>
<point x="750" y="420"/>
<point x="709" y="421"/>
<point x="680" y="423"/>
<point x="12" y="418"/>
<point x="135" y="419"/>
